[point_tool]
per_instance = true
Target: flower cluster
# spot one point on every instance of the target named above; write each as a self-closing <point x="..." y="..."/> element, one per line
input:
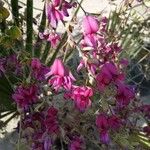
<point x="106" y="123"/>
<point x="51" y="37"/>
<point x="25" y="96"/>
<point x="60" y="108"/>
<point x="56" y="10"/>
<point x="38" y="69"/>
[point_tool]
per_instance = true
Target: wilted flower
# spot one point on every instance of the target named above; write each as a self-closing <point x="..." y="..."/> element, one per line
<point x="60" y="76"/>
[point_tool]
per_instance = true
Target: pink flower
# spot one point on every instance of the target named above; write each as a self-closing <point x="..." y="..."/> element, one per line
<point x="90" y="65"/>
<point x="53" y="14"/>
<point x="91" y="41"/>
<point x="25" y="96"/>
<point x="76" y="144"/>
<point x="124" y="95"/>
<point x="65" y="6"/>
<point x="56" y="10"/>
<point x="52" y="37"/>
<point x="60" y="76"/>
<point x="103" y="24"/>
<point x="90" y="25"/>
<point x="81" y="97"/>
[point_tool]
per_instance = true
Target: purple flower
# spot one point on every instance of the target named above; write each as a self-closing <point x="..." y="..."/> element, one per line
<point x="38" y="69"/>
<point x="47" y="143"/>
<point x="124" y="95"/>
<point x="114" y="122"/>
<point x="104" y="137"/>
<point x="108" y="74"/>
<point x="60" y="76"/>
<point x="51" y="122"/>
<point x="145" y="109"/>
<point x="25" y="96"/>
<point x="102" y="122"/>
<point x="146" y="129"/>
<point x="76" y="143"/>
<point x="106" y="123"/>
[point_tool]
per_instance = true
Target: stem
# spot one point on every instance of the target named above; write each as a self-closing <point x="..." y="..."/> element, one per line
<point x="46" y="52"/>
<point x="63" y="38"/>
<point x="38" y="45"/>
<point x="29" y="26"/>
<point x="19" y="138"/>
<point x="58" y="48"/>
<point x="15" y="12"/>
<point x="81" y="7"/>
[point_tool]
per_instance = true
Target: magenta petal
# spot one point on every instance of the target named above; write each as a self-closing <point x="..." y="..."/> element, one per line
<point x="80" y="66"/>
<point x="104" y="137"/>
<point x="56" y="3"/>
<point x="53" y="22"/>
<point x="90" y="25"/>
<point x="58" y="15"/>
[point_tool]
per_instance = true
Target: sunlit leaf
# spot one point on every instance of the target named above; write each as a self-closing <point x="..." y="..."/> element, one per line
<point x="4" y="13"/>
<point x="14" y="32"/>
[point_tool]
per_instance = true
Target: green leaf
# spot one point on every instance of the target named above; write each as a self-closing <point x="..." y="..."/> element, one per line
<point x="29" y="20"/>
<point x="1" y="18"/>
<point x="4" y="13"/>
<point x="46" y="52"/>
<point x="6" y="102"/>
<point x="14" y="32"/>
<point x="6" y="42"/>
